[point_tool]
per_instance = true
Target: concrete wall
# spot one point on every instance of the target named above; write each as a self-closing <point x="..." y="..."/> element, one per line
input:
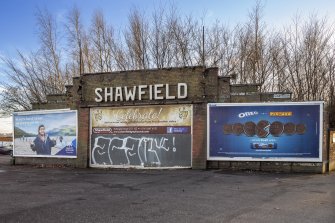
<point x="224" y="90"/>
<point x="204" y="86"/>
<point x="275" y="96"/>
<point x="244" y="93"/>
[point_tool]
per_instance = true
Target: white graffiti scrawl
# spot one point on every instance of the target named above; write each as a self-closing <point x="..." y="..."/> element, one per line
<point x="131" y="150"/>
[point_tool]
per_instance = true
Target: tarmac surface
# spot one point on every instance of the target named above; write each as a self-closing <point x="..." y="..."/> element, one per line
<point x="33" y="194"/>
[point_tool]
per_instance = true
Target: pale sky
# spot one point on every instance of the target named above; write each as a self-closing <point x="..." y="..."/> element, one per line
<point x="6" y="125"/>
<point x="18" y="22"/>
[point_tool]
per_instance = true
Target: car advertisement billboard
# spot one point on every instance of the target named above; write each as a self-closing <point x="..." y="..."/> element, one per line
<point x="49" y="133"/>
<point x="141" y="136"/>
<point x="265" y="131"/>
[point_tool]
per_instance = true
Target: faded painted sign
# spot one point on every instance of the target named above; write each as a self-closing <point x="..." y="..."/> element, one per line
<point x="144" y="136"/>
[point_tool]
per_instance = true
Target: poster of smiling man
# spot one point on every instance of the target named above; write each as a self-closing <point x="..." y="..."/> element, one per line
<point x="50" y="133"/>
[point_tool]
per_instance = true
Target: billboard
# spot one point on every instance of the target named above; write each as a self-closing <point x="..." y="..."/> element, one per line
<point x="141" y="136"/>
<point x="49" y="133"/>
<point x="265" y="131"/>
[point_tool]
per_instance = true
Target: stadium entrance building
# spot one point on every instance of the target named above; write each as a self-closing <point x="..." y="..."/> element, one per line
<point x="177" y="118"/>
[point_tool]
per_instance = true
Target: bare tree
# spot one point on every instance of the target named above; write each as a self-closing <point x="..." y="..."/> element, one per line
<point x="253" y="53"/>
<point x="28" y="82"/>
<point x="160" y="39"/>
<point x="102" y="41"/>
<point x="277" y="80"/>
<point x="119" y="53"/>
<point x="316" y="38"/>
<point x="307" y="47"/>
<point x="76" y="40"/>
<point x="183" y="30"/>
<point x="136" y="38"/>
<point x="33" y="76"/>
<point x="50" y="50"/>
<point x="221" y="52"/>
<point x="299" y="58"/>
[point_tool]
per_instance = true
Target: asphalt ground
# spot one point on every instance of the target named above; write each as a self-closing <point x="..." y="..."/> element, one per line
<point x="32" y="194"/>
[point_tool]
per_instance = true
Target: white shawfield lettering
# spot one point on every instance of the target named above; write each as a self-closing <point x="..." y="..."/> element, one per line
<point x="141" y="92"/>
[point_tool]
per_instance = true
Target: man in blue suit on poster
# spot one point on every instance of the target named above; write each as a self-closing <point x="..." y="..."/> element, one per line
<point x="42" y="143"/>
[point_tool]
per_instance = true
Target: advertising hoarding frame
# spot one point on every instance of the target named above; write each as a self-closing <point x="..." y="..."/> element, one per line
<point x="36" y="112"/>
<point x="136" y="166"/>
<point x="280" y="159"/>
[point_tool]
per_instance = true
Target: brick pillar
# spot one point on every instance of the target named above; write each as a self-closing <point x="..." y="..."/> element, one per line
<point x="199" y="141"/>
<point x="83" y="137"/>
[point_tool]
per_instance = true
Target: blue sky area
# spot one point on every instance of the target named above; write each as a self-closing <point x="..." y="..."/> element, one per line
<point x="18" y="22"/>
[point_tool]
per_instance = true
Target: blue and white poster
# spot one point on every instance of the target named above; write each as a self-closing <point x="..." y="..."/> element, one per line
<point x="50" y="133"/>
<point x="265" y="131"/>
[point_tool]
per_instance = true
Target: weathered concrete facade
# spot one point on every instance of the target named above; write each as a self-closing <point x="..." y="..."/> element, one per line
<point x="203" y="86"/>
